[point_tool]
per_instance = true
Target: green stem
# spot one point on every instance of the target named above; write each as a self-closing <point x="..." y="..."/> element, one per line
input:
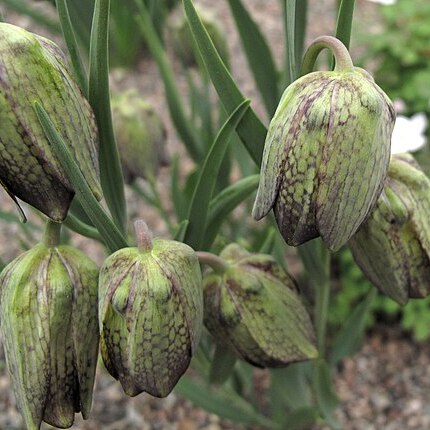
<point x="51" y="237"/>
<point x="78" y="226"/>
<point x="216" y="263"/>
<point x="322" y="301"/>
<point x="343" y="59"/>
<point x="344" y="23"/>
<point x="316" y="260"/>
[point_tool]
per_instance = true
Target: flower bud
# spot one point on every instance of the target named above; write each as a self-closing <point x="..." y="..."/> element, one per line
<point x="183" y="43"/>
<point x="151" y="315"/>
<point x="392" y="247"/>
<point x="32" y="69"/>
<point x="326" y="155"/>
<point x="48" y="312"/>
<point x="141" y="136"/>
<point x="253" y="307"/>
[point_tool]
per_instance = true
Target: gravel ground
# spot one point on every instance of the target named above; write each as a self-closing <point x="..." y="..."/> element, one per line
<point x="386" y="386"/>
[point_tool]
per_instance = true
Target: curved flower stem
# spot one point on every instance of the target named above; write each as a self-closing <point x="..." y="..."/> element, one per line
<point x="344" y="21"/>
<point x="341" y="55"/>
<point x="78" y="226"/>
<point x="51" y="237"/>
<point x="216" y="263"/>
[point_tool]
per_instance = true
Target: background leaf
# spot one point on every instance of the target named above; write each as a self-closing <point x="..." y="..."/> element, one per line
<point x="250" y="129"/>
<point x="110" y="168"/>
<point x="207" y="179"/>
<point x="258" y="55"/>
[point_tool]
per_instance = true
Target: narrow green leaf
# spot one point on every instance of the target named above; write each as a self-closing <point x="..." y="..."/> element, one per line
<point x="112" y="237"/>
<point x="326" y="398"/>
<point x="222" y="365"/>
<point x="81" y="13"/>
<point x="110" y="167"/>
<point x="349" y="338"/>
<point x="180" y="231"/>
<point x="72" y="45"/>
<point x="147" y="195"/>
<point x="203" y="191"/>
<point x="344" y="21"/>
<point x="300" y="29"/>
<point x="301" y="419"/>
<point x="316" y="260"/>
<point x="77" y="210"/>
<point x="243" y="380"/>
<point x="241" y="156"/>
<point x="289" y="388"/>
<point x="176" y="193"/>
<point x="201" y="359"/>
<point x="221" y="401"/>
<point x="258" y="54"/>
<point x="250" y="129"/>
<point x="201" y="109"/>
<point x="23" y="8"/>
<point x="290" y="16"/>
<point x="269" y="242"/>
<point x="227" y="200"/>
<point x="176" y="109"/>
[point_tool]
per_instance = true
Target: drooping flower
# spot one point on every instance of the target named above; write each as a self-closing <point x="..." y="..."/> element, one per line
<point x="49" y="325"/>
<point x="32" y="69"/>
<point x="253" y="308"/>
<point x="326" y="153"/>
<point x="393" y="246"/>
<point x="151" y="313"/>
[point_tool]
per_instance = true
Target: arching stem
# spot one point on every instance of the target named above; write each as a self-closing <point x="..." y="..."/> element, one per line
<point x="216" y="263"/>
<point x="341" y="55"/>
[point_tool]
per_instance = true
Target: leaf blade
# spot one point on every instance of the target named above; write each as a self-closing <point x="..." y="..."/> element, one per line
<point x="350" y="336"/>
<point x="203" y="191"/>
<point x="111" y="177"/>
<point x="251" y="130"/>
<point x="111" y="235"/>
<point x="72" y="45"/>
<point x="225" y="202"/>
<point x="258" y="54"/>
